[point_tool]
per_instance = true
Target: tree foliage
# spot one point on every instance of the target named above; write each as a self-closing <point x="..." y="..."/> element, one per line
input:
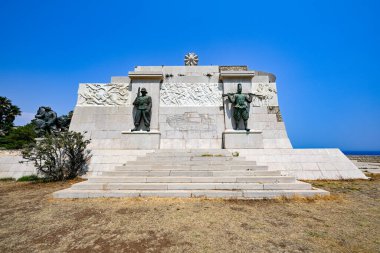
<point x="8" y="113"/>
<point x="59" y="157"/>
<point x="18" y="137"/>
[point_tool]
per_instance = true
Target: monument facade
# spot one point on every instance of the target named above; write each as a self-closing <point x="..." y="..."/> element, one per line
<point x="187" y="111"/>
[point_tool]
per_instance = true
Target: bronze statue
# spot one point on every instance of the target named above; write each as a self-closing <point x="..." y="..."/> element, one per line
<point x="64" y="122"/>
<point x="240" y="108"/>
<point x="143" y="104"/>
<point x="47" y="122"/>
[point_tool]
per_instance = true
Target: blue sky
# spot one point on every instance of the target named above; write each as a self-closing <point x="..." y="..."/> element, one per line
<point x="325" y="54"/>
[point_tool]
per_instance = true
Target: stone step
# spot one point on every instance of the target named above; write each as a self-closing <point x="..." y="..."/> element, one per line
<point x="203" y="154"/>
<point x="191" y="186"/>
<point x="188" y="158"/>
<point x="171" y="162"/>
<point x="189" y="179"/>
<point x="244" y="194"/>
<point x="189" y="173"/>
<point x="231" y="179"/>
<point x="201" y="151"/>
<point x="193" y="173"/>
<point x="189" y="167"/>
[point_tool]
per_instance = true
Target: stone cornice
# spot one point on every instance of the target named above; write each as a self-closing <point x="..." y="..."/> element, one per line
<point x="237" y="74"/>
<point x="145" y="75"/>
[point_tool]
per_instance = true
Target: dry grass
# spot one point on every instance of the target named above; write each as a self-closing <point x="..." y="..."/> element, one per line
<point x="346" y="221"/>
<point x="365" y="158"/>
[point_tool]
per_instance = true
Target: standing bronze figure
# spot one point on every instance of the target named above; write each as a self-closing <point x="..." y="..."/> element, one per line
<point x="143" y="104"/>
<point x="241" y="103"/>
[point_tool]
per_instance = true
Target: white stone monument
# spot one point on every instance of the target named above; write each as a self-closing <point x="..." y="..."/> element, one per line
<point x="188" y="109"/>
<point x="192" y="149"/>
<point x="189" y="112"/>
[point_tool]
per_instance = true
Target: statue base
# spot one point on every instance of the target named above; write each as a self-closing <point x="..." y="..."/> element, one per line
<point x="242" y="139"/>
<point x="141" y="139"/>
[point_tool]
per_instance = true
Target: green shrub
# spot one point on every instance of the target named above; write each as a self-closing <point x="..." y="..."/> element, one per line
<point x="29" y="178"/>
<point x="4" y="179"/>
<point x="59" y="157"/>
<point x="19" y="137"/>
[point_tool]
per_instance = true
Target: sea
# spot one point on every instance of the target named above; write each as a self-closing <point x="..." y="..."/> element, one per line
<point x="350" y="152"/>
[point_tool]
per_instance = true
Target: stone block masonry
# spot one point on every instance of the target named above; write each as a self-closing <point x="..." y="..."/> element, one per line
<point x="188" y="109"/>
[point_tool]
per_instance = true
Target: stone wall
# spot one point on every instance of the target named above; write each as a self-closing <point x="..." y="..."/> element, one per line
<point x="191" y="127"/>
<point x="10" y="166"/>
<point x="188" y="110"/>
<point x="308" y="164"/>
<point x="103" y="124"/>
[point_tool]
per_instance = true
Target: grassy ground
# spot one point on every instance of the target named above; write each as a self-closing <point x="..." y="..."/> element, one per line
<point x="365" y="158"/>
<point x="348" y="221"/>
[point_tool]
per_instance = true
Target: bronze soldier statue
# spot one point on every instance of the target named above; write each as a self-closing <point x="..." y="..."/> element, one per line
<point x="240" y="108"/>
<point x="45" y="121"/>
<point x="143" y="104"/>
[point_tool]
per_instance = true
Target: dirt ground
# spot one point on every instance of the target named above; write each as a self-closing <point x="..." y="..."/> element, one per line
<point x="348" y="221"/>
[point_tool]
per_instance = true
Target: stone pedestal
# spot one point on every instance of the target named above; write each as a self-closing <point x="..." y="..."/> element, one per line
<point x="140" y="140"/>
<point x="242" y="139"/>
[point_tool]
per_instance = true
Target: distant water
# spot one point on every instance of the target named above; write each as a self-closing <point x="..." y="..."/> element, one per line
<point x="350" y="152"/>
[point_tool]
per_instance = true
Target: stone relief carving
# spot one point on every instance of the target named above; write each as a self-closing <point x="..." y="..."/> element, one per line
<point x="191" y="121"/>
<point x="104" y="94"/>
<point x="233" y="68"/>
<point x="275" y="110"/>
<point x="264" y="93"/>
<point x="191" y="94"/>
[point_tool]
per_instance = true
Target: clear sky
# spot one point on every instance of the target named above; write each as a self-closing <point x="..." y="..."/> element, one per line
<point x="325" y="54"/>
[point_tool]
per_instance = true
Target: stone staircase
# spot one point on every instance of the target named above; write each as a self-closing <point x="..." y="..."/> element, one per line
<point x="190" y="173"/>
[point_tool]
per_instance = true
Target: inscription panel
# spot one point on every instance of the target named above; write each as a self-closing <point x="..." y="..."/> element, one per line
<point x="191" y="121"/>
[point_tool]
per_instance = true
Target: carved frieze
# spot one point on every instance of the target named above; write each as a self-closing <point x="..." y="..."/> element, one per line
<point x="191" y="94"/>
<point x="111" y="94"/>
<point x="264" y="93"/>
<point x="233" y="68"/>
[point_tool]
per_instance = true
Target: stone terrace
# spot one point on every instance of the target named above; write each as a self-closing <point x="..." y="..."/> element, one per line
<point x="190" y="173"/>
